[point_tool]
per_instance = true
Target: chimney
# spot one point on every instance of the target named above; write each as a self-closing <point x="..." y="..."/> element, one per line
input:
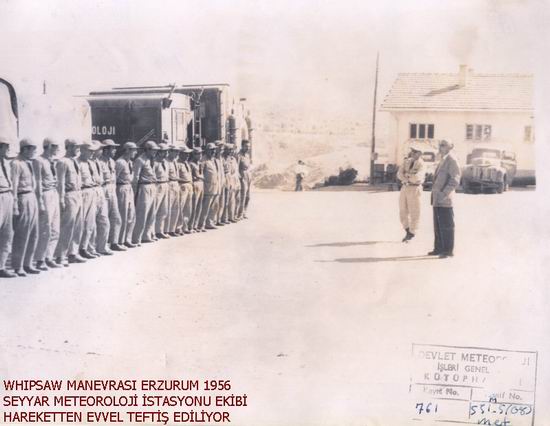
<point x="463" y="72"/>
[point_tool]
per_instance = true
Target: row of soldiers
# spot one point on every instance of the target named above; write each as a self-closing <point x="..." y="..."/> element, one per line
<point x="54" y="212"/>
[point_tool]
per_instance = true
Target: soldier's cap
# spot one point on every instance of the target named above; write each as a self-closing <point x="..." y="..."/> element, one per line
<point x="229" y="146"/>
<point x="163" y="146"/>
<point x="49" y="142"/>
<point x="129" y="145"/>
<point x="150" y="145"/>
<point x="4" y="140"/>
<point x="446" y="142"/>
<point x="219" y="144"/>
<point x="109" y="142"/>
<point x="210" y="145"/>
<point x="90" y="145"/>
<point x="415" y="150"/>
<point x="186" y="150"/>
<point x="174" y="148"/>
<point x="197" y="150"/>
<point x="26" y="142"/>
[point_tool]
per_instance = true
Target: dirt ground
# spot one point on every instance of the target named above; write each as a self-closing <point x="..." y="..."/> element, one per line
<point x="310" y="306"/>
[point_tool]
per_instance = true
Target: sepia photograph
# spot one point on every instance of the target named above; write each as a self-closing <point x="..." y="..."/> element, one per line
<point x="307" y="212"/>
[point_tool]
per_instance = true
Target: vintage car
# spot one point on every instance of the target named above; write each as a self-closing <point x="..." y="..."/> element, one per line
<point x="488" y="170"/>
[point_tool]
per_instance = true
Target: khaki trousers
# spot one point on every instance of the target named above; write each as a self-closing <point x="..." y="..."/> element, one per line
<point x="48" y="224"/>
<point x="174" y="207"/>
<point x="145" y="212"/>
<point x="114" y="213"/>
<point x="186" y="206"/>
<point x="409" y="206"/>
<point x="161" y="208"/>
<point x="127" y="210"/>
<point x="6" y="227"/>
<point x="71" y="225"/>
<point x="25" y="231"/>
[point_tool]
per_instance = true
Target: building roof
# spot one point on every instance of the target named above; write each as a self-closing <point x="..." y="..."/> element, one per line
<point x="461" y="92"/>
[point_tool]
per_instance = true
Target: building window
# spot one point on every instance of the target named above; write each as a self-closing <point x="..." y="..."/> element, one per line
<point x="421" y="131"/>
<point x="527" y="134"/>
<point x="478" y="132"/>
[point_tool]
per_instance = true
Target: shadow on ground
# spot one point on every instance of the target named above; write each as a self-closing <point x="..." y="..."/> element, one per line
<point x="380" y="259"/>
<point x="352" y="243"/>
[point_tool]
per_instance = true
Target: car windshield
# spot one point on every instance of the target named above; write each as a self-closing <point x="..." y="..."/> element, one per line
<point x="428" y="157"/>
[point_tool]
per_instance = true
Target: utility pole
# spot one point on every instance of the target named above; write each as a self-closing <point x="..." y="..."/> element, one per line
<point x="373" y="140"/>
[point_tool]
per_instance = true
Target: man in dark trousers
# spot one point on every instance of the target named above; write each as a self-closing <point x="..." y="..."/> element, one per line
<point x="446" y="179"/>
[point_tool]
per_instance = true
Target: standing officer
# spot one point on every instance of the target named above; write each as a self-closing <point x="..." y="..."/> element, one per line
<point x="124" y="170"/>
<point x="144" y="186"/>
<point x="236" y="182"/>
<point x="411" y="175"/>
<point x="48" y="203"/>
<point x="107" y="164"/>
<point x="99" y="243"/>
<point x="185" y="179"/>
<point x="198" y="187"/>
<point x="161" y="202"/>
<point x="6" y="208"/>
<point x="446" y="180"/>
<point x="174" y="197"/>
<point x="216" y="209"/>
<point x="90" y="200"/>
<point x="211" y="187"/>
<point x="25" y="209"/>
<point x="244" y="172"/>
<point x="229" y="185"/>
<point x="69" y="186"/>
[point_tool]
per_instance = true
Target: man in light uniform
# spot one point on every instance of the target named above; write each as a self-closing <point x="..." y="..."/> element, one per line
<point x="25" y="209"/>
<point x="185" y="179"/>
<point x="211" y="187"/>
<point x="198" y="187"/>
<point x="89" y="198"/>
<point x="144" y="186"/>
<point x="161" y="201"/>
<point x="124" y="170"/>
<point x="69" y="186"/>
<point x="236" y="182"/>
<point x="228" y="169"/>
<point x="174" y="196"/>
<point x="6" y="208"/>
<point x="411" y="175"/>
<point x="216" y="210"/>
<point x="48" y="203"/>
<point x="107" y="164"/>
<point x="244" y="172"/>
<point x="445" y="181"/>
<point x="99" y="244"/>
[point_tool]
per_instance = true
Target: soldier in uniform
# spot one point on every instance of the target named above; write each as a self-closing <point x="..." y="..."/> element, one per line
<point x="25" y="209"/>
<point x="174" y="197"/>
<point x="144" y="186"/>
<point x="161" y="201"/>
<point x="244" y="172"/>
<point x="445" y="182"/>
<point x="108" y="166"/>
<point x="216" y="210"/>
<point x="69" y="186"/>
<point x="89" y="199"/>
<point x="124" y="170"/>
<point x="6" y="208"/>
<point x="411" y="175"/>
<point x="229" y="171"/>
<point x="198" y="187"/>
<point x="211" y="187"/>
<point x="48" y="203"/>
<point x="99" y="242"/>
<point x="185" y="179"/>
<point x="236" y="182"/>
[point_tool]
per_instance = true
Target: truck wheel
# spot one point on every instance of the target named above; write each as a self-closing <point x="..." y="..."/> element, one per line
<point x="467" y="188"/>
<point x="505" y="184"/>
<point x="500" y="188"/>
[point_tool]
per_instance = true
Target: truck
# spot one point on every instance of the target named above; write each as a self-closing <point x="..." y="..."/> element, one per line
<point x="489" y="169"/>
<point x="9" y="113"/>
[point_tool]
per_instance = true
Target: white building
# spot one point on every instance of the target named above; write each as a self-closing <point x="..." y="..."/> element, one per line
<point x="467" y="108"/>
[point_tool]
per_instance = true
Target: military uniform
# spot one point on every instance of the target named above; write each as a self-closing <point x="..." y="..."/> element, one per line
<point x="49" y="213"/>
<point x="174" y="205"/>
<point x="145" y="181"/>
<point x="198" y="192"/>
<point x="211" y="191"/>
<point x="25" y="223"/>
<point x="411" y="175"/>
<point x="244" y="172"/>
<point x="185" y="177"/>
<point x="124" y="170"/>
<point x="161" y="201"/>
<point x="6" y="212"/>
<point x="110" y="194"/>
<point x="89" y="205"/>
<point x="69" y="187"/>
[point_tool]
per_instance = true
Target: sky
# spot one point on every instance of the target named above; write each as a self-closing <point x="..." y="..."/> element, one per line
<point x="306" y="58"/>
